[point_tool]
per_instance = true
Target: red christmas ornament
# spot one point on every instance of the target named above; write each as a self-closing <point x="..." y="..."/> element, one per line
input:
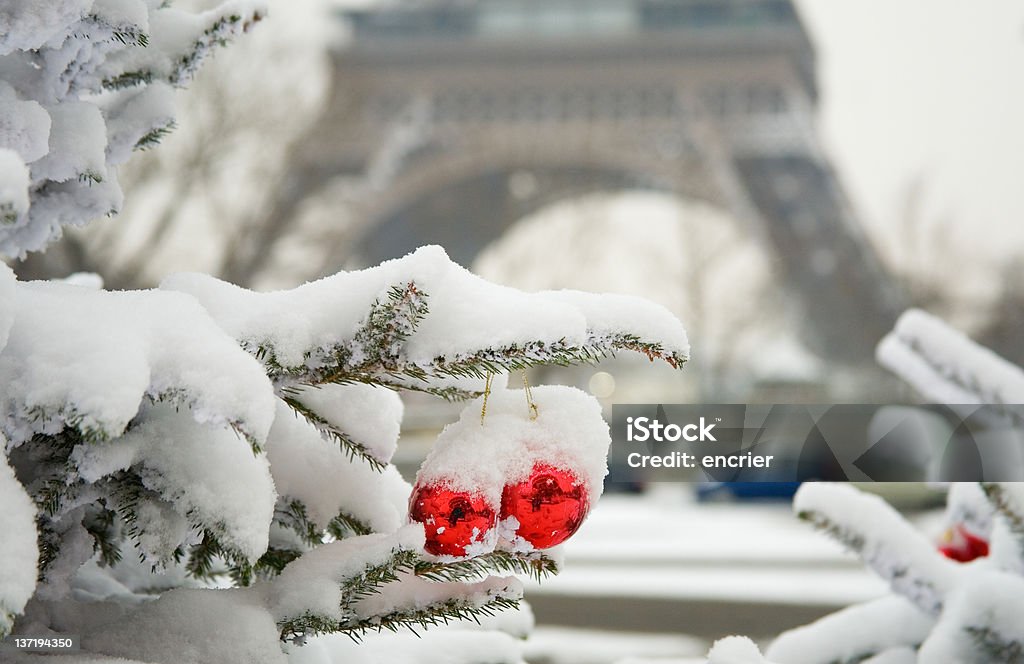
<point x="550" y="505"/>
<point x="961" y="545"/>
<point x="452" y="520"/>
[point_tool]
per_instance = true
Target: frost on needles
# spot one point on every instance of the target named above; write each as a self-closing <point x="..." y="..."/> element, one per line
<point x="939" y="611"/>
<point x="212" y="432"/>
<point x="161" y="443"/>
<point x="83" y="83"/>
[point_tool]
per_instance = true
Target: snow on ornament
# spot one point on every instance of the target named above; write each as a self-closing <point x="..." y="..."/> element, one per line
<point x="454" y="522"/>
<point x="549" y="450"/>
<point x="548" y="507"/>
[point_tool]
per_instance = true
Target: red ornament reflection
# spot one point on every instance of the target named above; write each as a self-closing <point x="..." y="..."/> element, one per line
<point x="550" y="505"/>
<point x="452" y="520"/>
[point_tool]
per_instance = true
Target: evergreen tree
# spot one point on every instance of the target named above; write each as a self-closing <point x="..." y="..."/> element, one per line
<point x="201" y="473"/>
<point x="957" y="604"/>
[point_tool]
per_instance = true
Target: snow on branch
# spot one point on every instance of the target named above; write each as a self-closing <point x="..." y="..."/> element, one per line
<point x="353" y="449"/>
<point x="8" y="287"/>
<point x="179" y="43"/>
<point x="140" y="417"/>
<point x="13" y="186"/>
<point x="947" y="367"/>
<point x="18" y="549"/>
<point x="30" y="25"/>
<point x="423" y="318"/>
<point x="415" y="602"/>
<point x="867" y="525"/>
<point x="1008" y="536"/>
<point x="61" y="65"/>
<point x="371" y="583"/>
<point x="534" y="564"/>
<point x="314" y="594"/>
<point x="137" y="119"/>
<point x="88" y="359"/>
<point x="207" y="473"/>
<point x="854" y="634"/>
<point x="135" y="415"/>
<point x="307" y="468"/>
<point x="969" y="503"/>
<point x="981" y="622"/>
<point x="376" y="582"/>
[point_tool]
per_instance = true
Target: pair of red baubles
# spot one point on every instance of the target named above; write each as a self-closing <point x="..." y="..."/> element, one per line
<point x="548" y="507"/>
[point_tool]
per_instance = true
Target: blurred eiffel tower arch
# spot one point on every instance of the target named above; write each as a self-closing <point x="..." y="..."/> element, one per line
<point x="451" y="120"/>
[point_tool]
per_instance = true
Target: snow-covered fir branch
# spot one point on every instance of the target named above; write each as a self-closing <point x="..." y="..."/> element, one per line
<point x="258" y="477"/>
<point x="942" y="612"/>
<point x="351" y="447"/>
<point x="946" y="367"/>
<point x="855" y="634"/>
<point x="535" y="564"/>
<point x="196" y="434"/>
<point x="379" y="582"/>
<point x="18" y="548"/>
<point x="981" y="623"/>
<point x="429" y="325"/>
<point x="873" y="530"/>
<point x="84" y="83"/>
<point x="1008" y="500"/>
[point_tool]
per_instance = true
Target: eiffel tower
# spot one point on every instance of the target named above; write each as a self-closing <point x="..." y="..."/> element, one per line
<point x="458" y="118"/>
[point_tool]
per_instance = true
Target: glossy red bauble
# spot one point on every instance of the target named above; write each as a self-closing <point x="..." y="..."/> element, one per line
<point x="452" y="520"/>
<point x="550" y="505"/>
<point x="963" y="546"/>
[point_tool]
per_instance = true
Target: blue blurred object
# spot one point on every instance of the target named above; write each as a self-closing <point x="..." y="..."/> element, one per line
<point x="709" y="491"/>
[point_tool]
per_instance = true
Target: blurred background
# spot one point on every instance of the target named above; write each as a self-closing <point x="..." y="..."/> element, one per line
<point x="784" y="176"/>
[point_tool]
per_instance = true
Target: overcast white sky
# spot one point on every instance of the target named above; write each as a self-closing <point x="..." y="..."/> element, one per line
<point x="931" y="89"/>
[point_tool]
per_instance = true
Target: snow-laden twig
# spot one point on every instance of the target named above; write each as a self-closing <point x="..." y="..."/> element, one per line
<point x="1008" y="500"/>
<point x="855" y="633"/>
<point x="18" y="549"/>
<point x="378" y="582"/>
<point x="85" y="84"/>
<point x="422" y="318"/>
<point x="886" y="543"/>
<point x="981" y="622"/>
<point x="947" y="367"/>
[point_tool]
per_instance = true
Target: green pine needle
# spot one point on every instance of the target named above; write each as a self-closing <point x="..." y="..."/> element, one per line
<point x="536" y="565"/>
<point x="350" y="447"/>
<point x="994" y="647"/>
<point x="345" y="525"/>
<point x="128" y="79"/>
<point x="438" y="613"/>
<point x="370" y="580"/>
<point x="8" y="215"/>
<point x="375" y="354"/>
<point x="154" y="136"/>
<point x="848" y="538"/>
<point x="996" y="495"/>
<point x="292" y="514"/>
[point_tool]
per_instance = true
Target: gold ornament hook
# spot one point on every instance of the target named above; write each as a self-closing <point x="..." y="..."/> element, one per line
<point x="487" y="393"/>
<point x="529" y="397"/>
